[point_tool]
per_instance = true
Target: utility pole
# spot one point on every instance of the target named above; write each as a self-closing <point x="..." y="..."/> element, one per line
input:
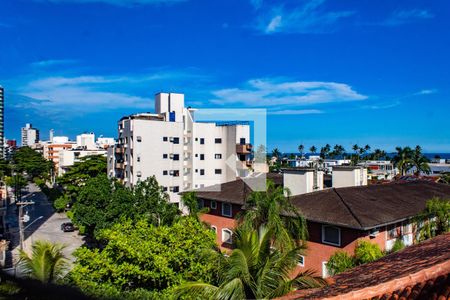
<point x="22" y="219"/>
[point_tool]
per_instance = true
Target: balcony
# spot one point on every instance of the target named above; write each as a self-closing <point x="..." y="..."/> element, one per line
<point x="244" y="149"/>
<point x="119" y="150"/>
<point x="119" y="165"/>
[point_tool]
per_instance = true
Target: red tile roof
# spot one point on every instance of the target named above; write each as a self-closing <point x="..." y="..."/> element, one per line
<point x="421" y="271"/>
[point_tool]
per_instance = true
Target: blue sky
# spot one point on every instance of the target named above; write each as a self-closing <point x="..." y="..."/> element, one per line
<point x="366" y="72"/>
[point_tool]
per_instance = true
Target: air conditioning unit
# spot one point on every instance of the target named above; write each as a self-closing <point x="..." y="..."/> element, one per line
<point x="171" y="155"/>
<point x="171" y="139"/>
<point x="374" y="233"/>
<point x="171" y="172"/>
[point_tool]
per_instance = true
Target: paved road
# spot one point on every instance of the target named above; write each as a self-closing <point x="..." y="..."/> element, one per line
<point x="47" y="228"/>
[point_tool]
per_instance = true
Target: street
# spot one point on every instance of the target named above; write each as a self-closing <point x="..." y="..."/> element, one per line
<point x="44" y="224"/>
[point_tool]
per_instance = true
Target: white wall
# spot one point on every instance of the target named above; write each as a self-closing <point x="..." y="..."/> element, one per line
<point x="349" y="176"/>
<point x="302" y="181"/>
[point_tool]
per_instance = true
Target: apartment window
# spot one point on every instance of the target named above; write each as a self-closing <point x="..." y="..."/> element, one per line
<point x="202" y="141"/>
<point x="218" y="156"/>
<point x="176" y="157"/>
<point x="200" y="203"/>
<point x="196" y="171"/>
<point x="164" y="188"/>
<point x="227" y="236"/>
<point x="165" y="138"/>
<point x="226" y="209"/>
<point x="218" y="141"/>
<point x="202" y="156"/>
<point x="331" y="235"/>
<point x="196" y="155"/>
<point x="213" y="204"/>
<point x="301" y="261"/>
<point x="218" y="171"/>
<point x="174" y="189"/>
<point x="165" y="155"/>
<point x="176" y="140"/>
<point x="202" y="171"/>
<point x="139" y="139"/>
<point x="242" y="141"/>
<point x="138" y="159"/>
<point x="139" y="174"/>
<point x="165" y="172"/>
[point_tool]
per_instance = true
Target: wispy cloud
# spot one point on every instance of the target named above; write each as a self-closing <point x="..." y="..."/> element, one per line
<point x="116" y="2"/>
<point x="296" y="112"/>
<point x="383" y="105"/>
<point x="407" y="16"/>
<point x="426" y="92"/>
<point x="290" y="17"/>
<point x="52" y="62"/>
<point x="274" y="92"/>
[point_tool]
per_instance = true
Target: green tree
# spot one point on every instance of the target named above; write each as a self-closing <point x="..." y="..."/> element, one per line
<point x="398" y="245"/>
<point x="32" y="162"/>
<point x="61" y="203"/>
<point x="313" y="149"/>
<point x="436" y="218"/>
<point x="339" y="262"/>
<point x="141" y="257"/>
<point x="301" y="148"/>
<point x="47" y="263"/>
<point x="272" y="209"/>
<point x="403" y="160"/>
<point x="254" y="270"/>
<point x="366" y="252"/>
<point x="420" y="162"/>
<point x="276" y="153"/>
<point x="17" y="182"/>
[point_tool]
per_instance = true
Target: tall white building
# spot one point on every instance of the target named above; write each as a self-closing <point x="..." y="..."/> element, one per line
<point x="182" y="154"/>
<point x="86" y="141"/>
<point x="30" y="135"/>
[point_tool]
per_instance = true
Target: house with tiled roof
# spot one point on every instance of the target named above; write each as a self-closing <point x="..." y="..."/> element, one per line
<point x="337" y="218"/>
<point x="421" y="271"/>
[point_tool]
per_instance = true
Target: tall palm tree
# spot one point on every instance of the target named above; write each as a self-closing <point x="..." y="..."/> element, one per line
<point x="403" y="160"/>
<point x="300" y="149"/>
<point x="272" y="209"/>
<point x="313" y="149"/>
<point x="47" y="263"/>
<point x="254" y="270"/>
<point x="276" y="153"/>
<point x="420" y="162"/>
<point x="355" y="148"/>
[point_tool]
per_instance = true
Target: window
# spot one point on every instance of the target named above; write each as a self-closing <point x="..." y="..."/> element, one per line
<point x="218" y="171"/>
<point x="164" y="155"/>
<point x="213" y="204"/>
<point x="214" y="228"/>
<point x="200" y="203"/>
<point x="196" y="155"/>
<point x="301" y="261"/>
<point x="242" y="141"/>
<point x="139" y="139"/>
<point x="176" y="157"/>
<point x="175" y="173"/>
<point x="218" y="156"/>
<point x="202" y="171"/>
<point x="393" y="232"/>
<point x="218" y="140"/>
<point x="174" y="189"/>
<point x="165" y="172"/>
<point x="164" y="138"/>
<point x="202" y="156"/>
<point x="196" y="139"/>
<point x="196" y="171"/>
<point x="227" y="236"/>
<point x="331" y="235"/>
<point x="138" y="159"/>
<point x="164" y="188"/>
<point x="406" y="228"/>
<point x="176" y="140"/>
<point x="324" y="269"/>
<point x="226" y="209"/>
<point x="202" y="141"/>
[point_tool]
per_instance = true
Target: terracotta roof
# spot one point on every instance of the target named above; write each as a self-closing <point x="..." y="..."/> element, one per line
<point x="421" y="271"/>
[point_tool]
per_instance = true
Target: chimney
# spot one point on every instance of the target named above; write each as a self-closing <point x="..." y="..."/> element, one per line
<point x="302" y="180"/>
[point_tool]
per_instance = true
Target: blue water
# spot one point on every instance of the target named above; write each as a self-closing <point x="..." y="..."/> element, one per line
<point x="428" y="155"/>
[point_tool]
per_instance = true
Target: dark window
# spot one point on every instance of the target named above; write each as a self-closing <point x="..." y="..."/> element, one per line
<point x="196" y="171"/>
<point x="202" y="141"/>
<point x="175" y="173"/>
<point x="164" y="138"/>
<point x="164" y="188"/>
<point x="242" y="141"/>
<point x="165" y="172"/>
<point x="202" y="171"/>
<point x="218" y="156"/>
<point x="200" y="203"/>
<point x="175" y="189"/>
<point x="176" y="157"/>
<point x="164" y="155"/>
<point x="196" y="155"/>
<point x="196" y="139"/>
<point x="226" y="209"/>
<point x="331" y="235"/>
<point x="176" y="140"/>
<point x="213" y="204"/>
<point x="139" y="139"/>
<point x="218" y="140"/>
<point x="138" y="159"/>
<point x="218" y="171"/>
<point x="202" y="156"/>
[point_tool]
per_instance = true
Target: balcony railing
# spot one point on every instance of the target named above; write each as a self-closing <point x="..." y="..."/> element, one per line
<point x="244" y="149"/>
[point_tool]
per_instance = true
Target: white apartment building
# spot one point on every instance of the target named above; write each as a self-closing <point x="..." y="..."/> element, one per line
<point x="182" y="154"/>
<point x="69" y="157"/>
<point x="380" y="169"/>
<point x="105" y="142"/>
<point x="29" y="135"/>
<point x="86" y="141"/>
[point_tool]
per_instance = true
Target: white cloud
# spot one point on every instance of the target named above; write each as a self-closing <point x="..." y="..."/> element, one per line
<point x="52" y="62"/>
<point x="296" y="112"/>
<point x="407" y="16"/>
<point x="426" y="92"/>
<point x="311" y="17"/>
<point x="273" y="92"/>
<point x="116" y="2"/>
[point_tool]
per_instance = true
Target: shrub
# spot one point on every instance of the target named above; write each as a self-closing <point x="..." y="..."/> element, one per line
<point x="367" y="252"/>
<point x="60" y="204"/>
<point x="398" y="245"/>
<point x="70" y="215"/>
<point x="339" y="262"/>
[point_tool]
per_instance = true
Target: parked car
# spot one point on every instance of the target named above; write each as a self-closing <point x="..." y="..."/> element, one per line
<point x="67" y="227"/>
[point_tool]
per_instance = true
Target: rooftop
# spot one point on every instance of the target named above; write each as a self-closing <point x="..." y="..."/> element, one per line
<point x="421" y="271"/>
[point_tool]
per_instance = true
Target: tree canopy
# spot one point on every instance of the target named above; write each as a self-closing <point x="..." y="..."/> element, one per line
<point x="32" y="162"/>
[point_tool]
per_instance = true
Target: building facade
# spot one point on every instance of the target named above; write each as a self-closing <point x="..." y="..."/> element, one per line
<point x="69" y="157"/>
<point x="29" y="135"/>
<point x="182" y="154"/>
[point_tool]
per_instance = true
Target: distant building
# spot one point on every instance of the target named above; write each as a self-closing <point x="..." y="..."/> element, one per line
<point x="105" y="142"/>
<point x="9" y="147"/>
<point x="2" y="121"/>
<point x="30" y="135"/>
<point x="182" y="154"/>
<point x="69" y="157"/>
<point x="380" y="169"/>
<point x="86" y="141"/>
<point x="51" y="150"/>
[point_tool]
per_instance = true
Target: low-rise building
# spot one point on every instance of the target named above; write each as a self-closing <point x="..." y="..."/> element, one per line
<point x="380" y="169"/>
<point x="69" y="157"/>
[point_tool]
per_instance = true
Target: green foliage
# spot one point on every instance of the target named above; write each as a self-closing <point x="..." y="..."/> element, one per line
<point x="140" y="258"/>
<point x="46" y="264"/>
<point x="436" y="218"/>
<point x="60" y="204"/>
<point x="17" y="181"/>
<point x="339" y="262"/>
<point x="254" y="270"/>
<point x="32" y="162"/>
<point x="102" y="202"/>
<point x="88" y="167"/>
<point x="266" y="208"/>
<point x="366" y="252"/>
<point x="398" y="245"/>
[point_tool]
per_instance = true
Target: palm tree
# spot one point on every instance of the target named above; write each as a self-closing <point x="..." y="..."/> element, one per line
<point x="276" y="153"/>
<point x="355" y="148"/>
<point x="313" y="149"/>
<point x="338" y="150"/>
<point x="420" y="162"/>
<point x="47" y="263"/>
<point x="300" y="149"/>
<point x="403" y="159"/>
<point x="254" y="270"/>
<point x="272" y="209"/>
